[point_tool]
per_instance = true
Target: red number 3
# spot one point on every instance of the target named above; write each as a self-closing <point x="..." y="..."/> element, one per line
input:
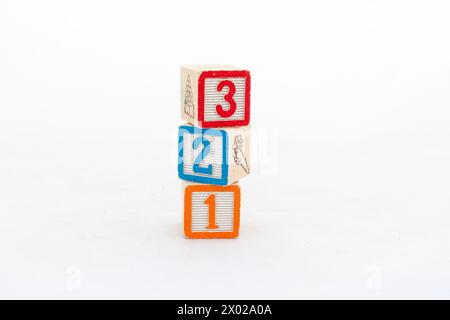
<point x="228" y="98"/>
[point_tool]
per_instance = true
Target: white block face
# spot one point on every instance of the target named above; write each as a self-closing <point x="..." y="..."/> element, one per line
<point x="224" y="212"/>
<point x="214" y="157"/>
<point x="214" y="97"/>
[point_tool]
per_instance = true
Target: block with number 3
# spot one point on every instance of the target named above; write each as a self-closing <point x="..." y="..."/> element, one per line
<point x="214" y="96"/>
<point x="213" y="156"/>
<point x="211" y="211"/>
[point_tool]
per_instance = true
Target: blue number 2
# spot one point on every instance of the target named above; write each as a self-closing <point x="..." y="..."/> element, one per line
<point x="205" y="151"/>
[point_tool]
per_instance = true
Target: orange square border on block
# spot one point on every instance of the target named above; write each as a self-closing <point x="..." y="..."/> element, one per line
<point x="188" y="211"/>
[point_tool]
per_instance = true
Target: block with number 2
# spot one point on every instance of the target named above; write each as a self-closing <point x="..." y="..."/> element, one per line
<point x="211" y="211"/>
<point x="215" y="96"/>
<point x="214" y="156"/>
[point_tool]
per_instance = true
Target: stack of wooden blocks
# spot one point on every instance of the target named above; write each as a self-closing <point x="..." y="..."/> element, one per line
<point x="213" y="148"/>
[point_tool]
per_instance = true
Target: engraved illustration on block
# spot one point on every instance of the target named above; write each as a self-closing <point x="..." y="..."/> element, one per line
<point x="239" y="154"/>
<point x="211" y="211"/>
<point x="189" y="100"/>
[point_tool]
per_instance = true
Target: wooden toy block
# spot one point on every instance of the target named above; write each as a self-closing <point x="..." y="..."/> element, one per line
<point x="211" y="211"/>
<point x="213" y="156"/>
<point x="214" y="96"/>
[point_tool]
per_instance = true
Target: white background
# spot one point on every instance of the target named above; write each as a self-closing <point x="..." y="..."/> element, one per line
<point x="349" y="195"/>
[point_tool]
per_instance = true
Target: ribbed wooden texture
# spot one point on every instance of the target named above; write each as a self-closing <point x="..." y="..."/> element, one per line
<point x="214" y="157"/>
<point x="224" y="211"/>
<point x="214" y="97"/>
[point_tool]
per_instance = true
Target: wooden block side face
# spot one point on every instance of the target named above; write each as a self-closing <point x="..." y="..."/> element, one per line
<point x="203" y="155"/>
<point x="211" y="211"/>
<point x="189" y="94"/>
<point x="224" y="98"/>
<point x="239" y="154"/>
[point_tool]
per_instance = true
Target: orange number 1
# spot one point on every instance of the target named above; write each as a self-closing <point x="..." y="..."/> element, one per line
<point x="211" y="202"/>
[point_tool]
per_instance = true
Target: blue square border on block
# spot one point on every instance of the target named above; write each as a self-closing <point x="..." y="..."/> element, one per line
<point x="213" y="132"/>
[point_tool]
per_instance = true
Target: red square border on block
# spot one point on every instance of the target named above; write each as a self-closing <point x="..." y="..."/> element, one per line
<point x="201" y="98"/>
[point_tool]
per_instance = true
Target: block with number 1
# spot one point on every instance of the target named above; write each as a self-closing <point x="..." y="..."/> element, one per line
<point x="211" y="211"/>
<point x="214" y="96"/>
